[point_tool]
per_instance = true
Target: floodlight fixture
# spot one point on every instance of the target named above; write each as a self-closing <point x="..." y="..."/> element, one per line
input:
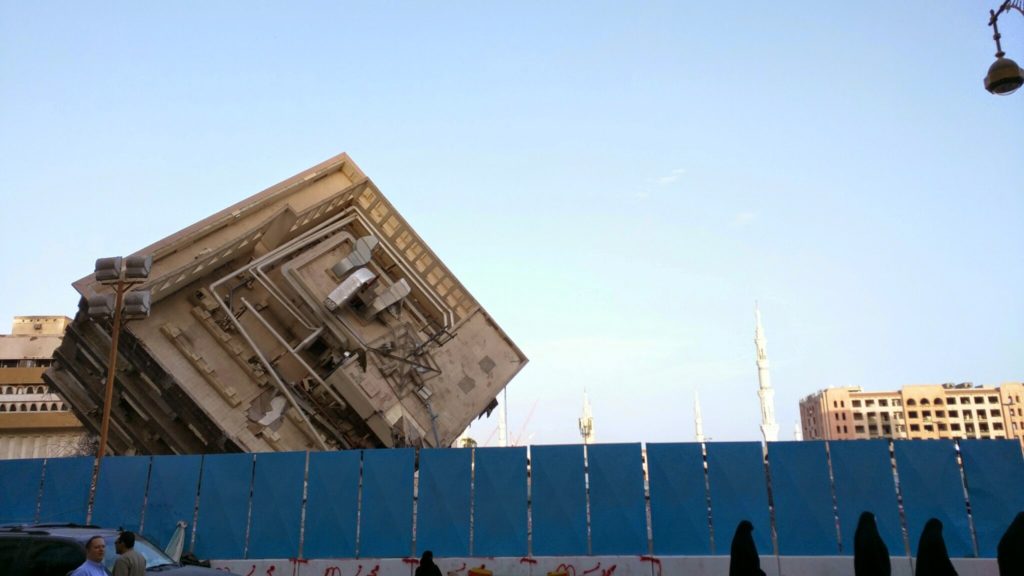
<point x="137" y="267"/>
<point x="136" y="305"/>
<point x="108" y="269"/>
<point x="100" y="306"/>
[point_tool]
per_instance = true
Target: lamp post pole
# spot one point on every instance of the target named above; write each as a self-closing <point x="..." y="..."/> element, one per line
<point x="120" y="274"/>
<point x="108" y="395"/>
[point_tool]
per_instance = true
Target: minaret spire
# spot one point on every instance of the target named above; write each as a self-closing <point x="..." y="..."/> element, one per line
<point x="769" y="428"/>
<point x="586" y="422"/>
<point x="698" y="420"/>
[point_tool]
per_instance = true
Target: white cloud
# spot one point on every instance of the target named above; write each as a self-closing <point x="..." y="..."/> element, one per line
<point x="671" y="177"/>
<point x="744" y="218"/>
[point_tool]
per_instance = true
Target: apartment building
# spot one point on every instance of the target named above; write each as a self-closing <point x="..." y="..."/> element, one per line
<point x="35" y="421"/>
<point x="923" y="411"/>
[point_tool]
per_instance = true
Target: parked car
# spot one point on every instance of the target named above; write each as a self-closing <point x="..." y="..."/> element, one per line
<point x="56" y="549"/>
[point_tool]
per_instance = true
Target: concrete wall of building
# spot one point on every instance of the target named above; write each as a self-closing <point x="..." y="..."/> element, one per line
<point x="918" y="412"/>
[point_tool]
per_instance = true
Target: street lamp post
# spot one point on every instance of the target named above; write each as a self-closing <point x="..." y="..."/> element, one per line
<point x="121" y="274"/>
<point x="1004" y="76"/>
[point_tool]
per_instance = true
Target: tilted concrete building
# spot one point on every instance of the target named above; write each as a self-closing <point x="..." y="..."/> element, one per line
<point x="35" y="422"/>
<point x="309" y="316"/>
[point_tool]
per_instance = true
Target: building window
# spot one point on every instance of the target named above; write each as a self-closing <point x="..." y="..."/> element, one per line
<point x="856" y="403"/>
<point x="842" y="403"/>
<point x="983" y="427"/>
<point x="926" y="413"/>
<point x="885" y="416"/>
<point x="954" y="426"/>
<point x="993" y="399"/>
<point x="835" y="404"/>
<point x="844" y="415"/>
<point x="858" y="416"/>
<point x="939" y="402"/>
<point x="965" y="400"/>
<point x="915" y="428"/>
<point x="887" y="430"/>
<point x="858" y="429"/>
<point x="883" y="402"/>
<point x="940" y="413"/>
<point x="53" y="407"/>
<point x="954" y="414"/>
<point x="929" y="428"/>
<point x="993" y="412"/>
<point x="869" y="402"/>
<point x="898" y="415"/>
<point x="978" y="399"/>
<point x="44" y="408"/>
<point x="981" y="415"/>
<point x="942" y="426"/>
<point x="912" y="414"/>
<point x="897" y="402"/>
<point x="997" y="425"/>
<point x="911" y="402"/>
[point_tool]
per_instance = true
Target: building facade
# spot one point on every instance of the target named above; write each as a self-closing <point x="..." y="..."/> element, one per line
<point x="928" y="411"/>
<point x="35" y="422"/>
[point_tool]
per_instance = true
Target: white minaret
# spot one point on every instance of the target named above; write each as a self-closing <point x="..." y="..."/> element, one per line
<point x="586" y="422"/>
<point x="503" y="420"/>
<point x="769" y="428"/>
<point x="698" y="420"/>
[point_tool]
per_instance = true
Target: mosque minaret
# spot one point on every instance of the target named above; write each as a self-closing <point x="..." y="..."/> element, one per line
<point x="698" y="420"/>
<point x="769" y="428"/>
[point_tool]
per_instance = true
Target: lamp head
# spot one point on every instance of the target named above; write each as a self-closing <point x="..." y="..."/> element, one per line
<point x="1004" y="77"/>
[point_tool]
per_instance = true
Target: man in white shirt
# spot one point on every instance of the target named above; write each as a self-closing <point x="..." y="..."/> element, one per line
<point x="95" y="548"/>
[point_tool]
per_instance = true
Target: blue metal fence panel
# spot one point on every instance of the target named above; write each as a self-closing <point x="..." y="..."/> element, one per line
<point x="171" y="498"/>
<point x="332" y="504"/>
<point x="19" y="489"/>
<point x="559" y="500"/>
<point x="802" y="492"/>
<point x="66" y="484"/>
<point x="994" y="470"/>
<point x="863" y="482"/>
<point x="223" y="505"/>
<point x="499" y="502"/>
<point x="276" y="505"/>
<point x="386" y="521"/>
<point x="442" y="512"/>
<point x="618" y="517"/>
<point x="931" y="487"/>
<point x="121" y="492"/>
<point x="679" y="505"/>
<point x="739" y="491"/>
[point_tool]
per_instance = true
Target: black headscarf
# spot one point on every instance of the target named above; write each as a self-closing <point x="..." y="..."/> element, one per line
<point x="1010" y="552"/>
<point x="743" y="558"/>
<point x="427" y="566"/>
<point x="932" y="557"/>
<point x="870" y="554"/>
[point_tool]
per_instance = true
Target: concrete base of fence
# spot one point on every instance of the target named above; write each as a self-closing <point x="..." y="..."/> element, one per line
<point x="584" y="566"/>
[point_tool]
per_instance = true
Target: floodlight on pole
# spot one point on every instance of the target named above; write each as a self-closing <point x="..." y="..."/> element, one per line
<point x="1004" y="76"/>
<point x="120" y="274"/>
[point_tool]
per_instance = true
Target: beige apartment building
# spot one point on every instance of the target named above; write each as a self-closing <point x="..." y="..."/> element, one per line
<point x="915" y="412"/>
<point x="35" y="422"/>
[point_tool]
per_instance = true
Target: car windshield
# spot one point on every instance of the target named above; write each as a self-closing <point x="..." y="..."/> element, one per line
<point x="153" y="555"/>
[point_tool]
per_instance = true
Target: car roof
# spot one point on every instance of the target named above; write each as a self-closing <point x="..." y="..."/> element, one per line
<point x="80" y="532"/>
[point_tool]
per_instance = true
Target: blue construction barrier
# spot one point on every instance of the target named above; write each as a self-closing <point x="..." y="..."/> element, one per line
<point x="583" y="500"/>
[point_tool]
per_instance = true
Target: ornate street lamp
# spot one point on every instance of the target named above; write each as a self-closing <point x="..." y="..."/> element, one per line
<point x="121" y="274"/>
<point x="1004" y="76"/>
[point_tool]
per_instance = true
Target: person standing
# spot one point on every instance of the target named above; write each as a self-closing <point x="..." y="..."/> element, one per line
<point x="95" y="548"/>
<point x="129" y="562"/>
<point x="427" y="566"/>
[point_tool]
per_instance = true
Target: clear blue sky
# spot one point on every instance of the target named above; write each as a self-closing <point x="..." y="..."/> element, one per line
<point x="616" y="183"/>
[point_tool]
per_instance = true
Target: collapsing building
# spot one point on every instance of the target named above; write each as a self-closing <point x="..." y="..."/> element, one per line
<point x="309" y="316"/>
